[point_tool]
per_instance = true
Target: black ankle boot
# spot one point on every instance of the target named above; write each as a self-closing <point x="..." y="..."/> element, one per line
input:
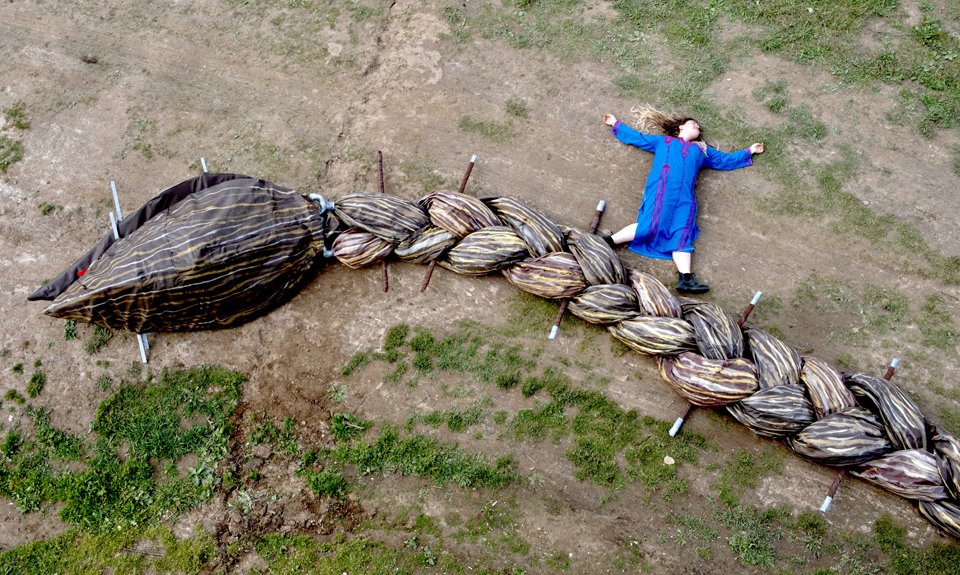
<point x="610" y="242"/>
<point x="687" y="283"/>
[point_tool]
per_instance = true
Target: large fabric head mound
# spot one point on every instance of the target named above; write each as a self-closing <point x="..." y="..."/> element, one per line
<point x="212" y="257"/>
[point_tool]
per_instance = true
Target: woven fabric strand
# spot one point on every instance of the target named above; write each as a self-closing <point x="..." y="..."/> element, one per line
<point x="217" y="258"/>
<point x="853" y="421"/>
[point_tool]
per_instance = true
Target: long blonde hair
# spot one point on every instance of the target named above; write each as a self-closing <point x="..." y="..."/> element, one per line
<point x="652" y="121"/>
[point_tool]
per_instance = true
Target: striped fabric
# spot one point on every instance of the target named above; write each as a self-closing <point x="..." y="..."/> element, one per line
<point x="777" y="363"/>
<point x="217" y="258"/>
<point x="843" y="438"/>
<point x="825" y="387"/>
<point x="552" y="276"/>
<point x="718" y="335"/>
<point x="775" y="411"/>
<point x="654" y="297"/>
<point x="709" y="382"/>
<point x="910" y="473"/>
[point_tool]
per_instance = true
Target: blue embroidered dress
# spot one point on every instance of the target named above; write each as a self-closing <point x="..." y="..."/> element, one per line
<point x="667" y="220"/>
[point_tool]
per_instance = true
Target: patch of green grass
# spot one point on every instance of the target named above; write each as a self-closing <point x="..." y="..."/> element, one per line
<point x="328" y="483"/>
<point x="601" y="431"/>
<point x="337" y="393"/>
<point x="745" y="471"/>
<point x="14" y="396"/>
<point x="753" y="533"/>
<point x="646" y="460"/>
<point x="75" y="552"/>
<point x="345" y="426"/>
<point x="452" y="14"/>
<point x="936" y="324"/>
<point x="693" y="527"/>
<point x="150" y="419"/>
<point x="558" y="561"/>
<point x="517" y="107"/>
<point x="396" y="337"/>
<point x="184" y="412"/>
<point x="287" y="554"/>
<point x="956" y="159"/>
<point x="875" y="311"/>
<point x="445" y="463"/>
<point x="471" y="350"/>
<point x="17" y="116"/>
<point x="684" y="23"/>
<point x="69" y="329"/>
<point x="282" y="437"/>
<point x="934" y="559"/>
<point x="140" y="135"/>
<point x="47" y="208"/>
<point x="457" y="420"/>
<point x="531" y="314"/>
<point x="810" y="529"/>
<point x="104" y="383"/>
<point x="531" y="386"/>
<point x="11" y="152"/>
<point x="630" y="558"/>
<point x="36" y="383"/>
<point x="397" y="374"/>
<point x="829" y="34"/>
<point x="547" y="420"/>
<point x="557" y="27"/>
<point x="17" y="367"/>
<point x="496" y="526"/>
<point x="60" y="444"/>
<point x="627" y="82"/>
<point x="774" y="95"/>
<point x="425" y="177"/>
<point x="821" y="35"/>
<point x="496" y="132"/>
<point x="804" y="125"/>
<point x="12" y="442"/>
<point x="357" y="363"/>
<point x="101" y="336"/>
<point x="926" y="55"/>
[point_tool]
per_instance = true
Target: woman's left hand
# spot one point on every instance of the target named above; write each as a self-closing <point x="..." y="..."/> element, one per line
<point x="756" y="148"/>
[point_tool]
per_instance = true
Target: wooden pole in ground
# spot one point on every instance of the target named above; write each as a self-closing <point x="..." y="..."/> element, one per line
<point x="384" y="269"/>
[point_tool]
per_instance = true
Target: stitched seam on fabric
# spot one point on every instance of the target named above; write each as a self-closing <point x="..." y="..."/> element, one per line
<point x="658" y="201"/>
<point x="688" y="228"/>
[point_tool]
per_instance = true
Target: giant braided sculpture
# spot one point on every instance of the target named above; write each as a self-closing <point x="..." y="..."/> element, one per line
<point x="220" y="249"/>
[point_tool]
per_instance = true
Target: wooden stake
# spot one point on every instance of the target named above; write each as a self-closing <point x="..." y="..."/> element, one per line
<point x="601" y="206"/>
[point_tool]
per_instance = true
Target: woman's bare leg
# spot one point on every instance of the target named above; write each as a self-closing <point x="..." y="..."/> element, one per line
<point x="625" y="235"/>
<point x="686" y="281"/>
<point x="682" y="259"/>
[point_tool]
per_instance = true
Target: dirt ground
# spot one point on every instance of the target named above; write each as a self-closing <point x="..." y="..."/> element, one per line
<point x="138" y="92"/>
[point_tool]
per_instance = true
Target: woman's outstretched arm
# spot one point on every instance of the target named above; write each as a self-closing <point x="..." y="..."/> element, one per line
<point x="629" y="136"/>
<point x="718" y="160"/>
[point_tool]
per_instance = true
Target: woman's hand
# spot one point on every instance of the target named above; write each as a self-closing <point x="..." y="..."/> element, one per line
<point x="609" y="119"/>
<point x="756" y="148"/>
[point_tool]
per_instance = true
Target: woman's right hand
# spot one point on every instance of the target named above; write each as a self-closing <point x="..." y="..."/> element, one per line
<point x="609" y="119"/>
